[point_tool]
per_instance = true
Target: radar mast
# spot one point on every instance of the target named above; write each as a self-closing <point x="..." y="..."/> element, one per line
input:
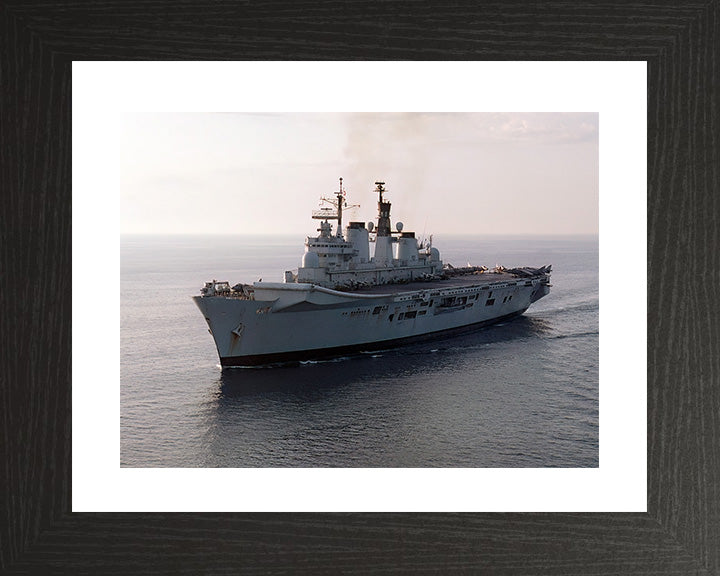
<point x="383" y="225"/>
<point x="338" y="203"/>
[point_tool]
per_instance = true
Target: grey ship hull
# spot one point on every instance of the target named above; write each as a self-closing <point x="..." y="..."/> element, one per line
<point x="299" y="322"/>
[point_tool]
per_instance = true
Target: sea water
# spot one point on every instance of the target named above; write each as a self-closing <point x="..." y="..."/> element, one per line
<point x="519" y="394"/>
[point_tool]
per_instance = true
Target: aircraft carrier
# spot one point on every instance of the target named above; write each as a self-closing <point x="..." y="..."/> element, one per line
<point x="342" y="299"/>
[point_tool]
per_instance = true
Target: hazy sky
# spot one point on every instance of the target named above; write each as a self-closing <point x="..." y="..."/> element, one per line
<point x="503" y="173"/>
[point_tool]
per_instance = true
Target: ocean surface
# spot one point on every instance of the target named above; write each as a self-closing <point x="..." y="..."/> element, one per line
<point x="519" y="394"/>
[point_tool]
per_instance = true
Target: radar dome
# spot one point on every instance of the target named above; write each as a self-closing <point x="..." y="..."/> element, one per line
<point x="371" y="225"/>
<point x="310" y="260"/>
<point x="399" y="226"/>
<point x="434" y="254"/>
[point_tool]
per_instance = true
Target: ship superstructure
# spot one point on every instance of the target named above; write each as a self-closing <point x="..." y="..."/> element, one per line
<point x="342" y="299"/>
<point x="336" y="261"/>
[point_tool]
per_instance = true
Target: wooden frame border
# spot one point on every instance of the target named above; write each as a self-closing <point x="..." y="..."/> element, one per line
<point x="680" y="533"/>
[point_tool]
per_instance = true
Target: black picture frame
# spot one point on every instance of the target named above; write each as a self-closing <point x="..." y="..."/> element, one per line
<point x="680" y="533"/>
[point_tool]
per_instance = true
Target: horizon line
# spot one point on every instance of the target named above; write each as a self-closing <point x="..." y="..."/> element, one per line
<point x="289" y="234"/>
